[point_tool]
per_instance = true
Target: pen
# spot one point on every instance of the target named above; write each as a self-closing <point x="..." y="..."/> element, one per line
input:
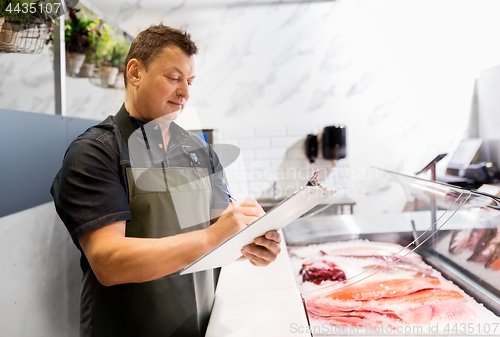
<point x="231" y="198"/>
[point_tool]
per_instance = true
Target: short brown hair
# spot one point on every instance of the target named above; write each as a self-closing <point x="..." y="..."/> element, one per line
<point x="150" y="42"/>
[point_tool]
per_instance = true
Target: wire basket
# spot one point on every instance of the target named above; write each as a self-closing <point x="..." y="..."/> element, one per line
<point x="28" y="38"/>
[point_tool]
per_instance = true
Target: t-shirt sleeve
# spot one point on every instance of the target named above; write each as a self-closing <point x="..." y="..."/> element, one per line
<point x="88" y="192"/>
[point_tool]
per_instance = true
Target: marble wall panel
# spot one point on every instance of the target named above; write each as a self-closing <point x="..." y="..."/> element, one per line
<point x="398" y="74"/>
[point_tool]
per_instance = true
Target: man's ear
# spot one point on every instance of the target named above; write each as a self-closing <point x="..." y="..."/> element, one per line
<point x="134" y="68"/>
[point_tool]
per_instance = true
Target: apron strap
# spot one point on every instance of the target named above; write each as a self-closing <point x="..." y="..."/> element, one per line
<point x="124" y="123"/>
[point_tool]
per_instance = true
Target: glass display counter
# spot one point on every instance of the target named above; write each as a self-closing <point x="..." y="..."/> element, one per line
<point x="432" y="269"/>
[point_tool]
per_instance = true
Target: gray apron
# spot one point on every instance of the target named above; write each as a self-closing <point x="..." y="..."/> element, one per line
<point x="174" y="305"/>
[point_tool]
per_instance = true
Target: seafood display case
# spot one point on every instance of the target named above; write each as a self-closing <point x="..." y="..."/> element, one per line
<point x="431" y="269"/>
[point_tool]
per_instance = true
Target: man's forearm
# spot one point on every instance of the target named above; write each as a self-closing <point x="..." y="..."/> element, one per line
<point x="117" y="259"/>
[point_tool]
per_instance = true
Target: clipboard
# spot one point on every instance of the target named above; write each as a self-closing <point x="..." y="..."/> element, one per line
<point x="275" y="219"/>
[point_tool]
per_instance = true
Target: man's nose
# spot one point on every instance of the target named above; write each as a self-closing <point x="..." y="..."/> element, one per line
<point x="183" y="89"/>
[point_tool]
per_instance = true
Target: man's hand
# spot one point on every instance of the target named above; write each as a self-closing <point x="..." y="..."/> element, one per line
<point x="237" y="216"/>
<point x="264" y="249"/>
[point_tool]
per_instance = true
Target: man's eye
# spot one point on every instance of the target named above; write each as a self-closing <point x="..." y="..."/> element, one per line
<point x="173" y="79"/>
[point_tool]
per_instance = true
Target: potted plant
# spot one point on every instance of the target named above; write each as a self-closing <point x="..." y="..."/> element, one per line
<point x="78" y="36"/>
<point x="118" y="56"/>
<point x="113" y="59"/>
<point x="87" y="69"/>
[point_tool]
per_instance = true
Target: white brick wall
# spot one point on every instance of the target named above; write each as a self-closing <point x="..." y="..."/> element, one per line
<point x="300" y="130"/>
<point x="285" y="141"/>
<point x="268" y="154"/>
<point x="236" y="133"/>
<point x="255" y="143"/>
<point x="248" y="154"/>
<point x="270" y="131"/>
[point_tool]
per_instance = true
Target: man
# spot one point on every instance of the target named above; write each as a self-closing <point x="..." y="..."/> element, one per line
<point x="122" y="207"/>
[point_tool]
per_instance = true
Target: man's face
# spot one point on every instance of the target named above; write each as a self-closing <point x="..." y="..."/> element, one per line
<point x="163" y="89"/>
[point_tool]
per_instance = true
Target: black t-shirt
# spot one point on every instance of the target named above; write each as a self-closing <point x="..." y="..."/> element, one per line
<point x="90" y="190"/>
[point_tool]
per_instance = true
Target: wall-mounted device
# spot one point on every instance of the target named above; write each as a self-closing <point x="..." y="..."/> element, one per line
<point x="331" y="141"/>
<point x="334" y="142"/>
<point x="311" y="147"/>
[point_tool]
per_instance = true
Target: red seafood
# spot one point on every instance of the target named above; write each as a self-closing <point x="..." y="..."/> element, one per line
<point x="418" y="315"/>
<point x="486" y="246"/>
<point x="494" y="260"/>
<point x="450" y="310"/>
<point x="363" y="320"/>
<point x="394" y="267"/>
<point x="459" y="240"/>
<point x="474" y="237"/>
<point x="455" y="311"/>
<point x="320" y="271"/>
<point x="424" y="296"/>
<point x="421" y="307"/>
<point x="325" y="306"/>
<point x="380" y="289"/>
<point x="387" y="252"/>
<point x="495" y="265"/>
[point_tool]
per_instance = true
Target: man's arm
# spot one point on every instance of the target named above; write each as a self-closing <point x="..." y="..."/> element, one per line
<point x="117" y="259"/>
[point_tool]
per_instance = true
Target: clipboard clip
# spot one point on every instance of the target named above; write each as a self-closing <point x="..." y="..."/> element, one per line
<point x="314" y="180"/>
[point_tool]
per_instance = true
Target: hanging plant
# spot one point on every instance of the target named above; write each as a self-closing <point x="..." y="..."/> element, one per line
<point x="119" y="52"/>
<point x="80" y="35"/>
<point x="23" y="13"/>
<point x="23" y="26"/>
<point x="112" y="50"/>
<point x="76" y="33"/>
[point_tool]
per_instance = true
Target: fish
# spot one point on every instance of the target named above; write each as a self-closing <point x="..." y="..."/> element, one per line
<point x="379" y="289"/>
<point x="453" y="311"/>
<point x="386" y="251"/>
<point x="360" y="312"/>
<point x="356" y="318"/>
<point x="424" y="296"/>
<point x="486" y="245"/>
<point x="474" y="237"/>
<point x="459" y="240"/>
<point x="436" y="295"/>
<point x="494" y="260"/>
<point x="422" y="307"/>
<point x="419" y="315"/>
<point x="401" y="266"/>
<point x="495" y="265"/>
<point x="319" y="271"/>
<point x="446" y="311"/>
<point x="348" y="321"/>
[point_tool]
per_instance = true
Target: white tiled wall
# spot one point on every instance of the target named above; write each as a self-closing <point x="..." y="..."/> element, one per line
<point x="273" y="162"/>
